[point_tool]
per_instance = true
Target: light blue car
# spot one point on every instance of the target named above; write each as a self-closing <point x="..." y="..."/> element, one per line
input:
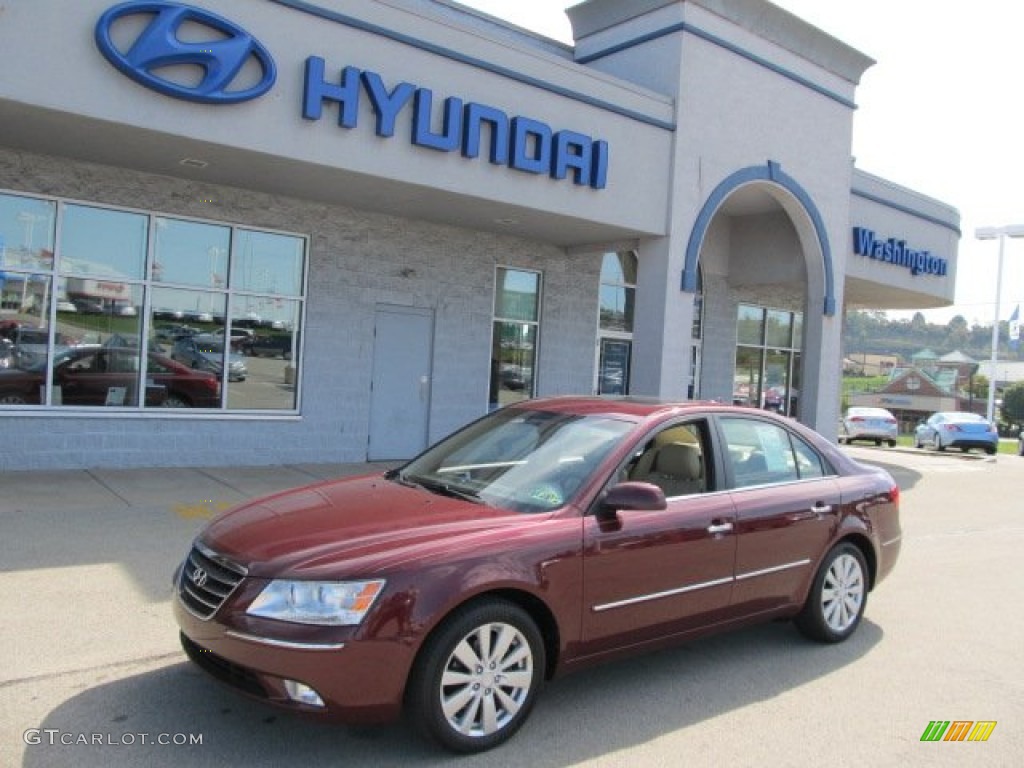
<point x="957" y="429"/>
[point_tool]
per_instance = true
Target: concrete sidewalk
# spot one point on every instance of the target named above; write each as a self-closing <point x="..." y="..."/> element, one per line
<point x="187" y="489"/>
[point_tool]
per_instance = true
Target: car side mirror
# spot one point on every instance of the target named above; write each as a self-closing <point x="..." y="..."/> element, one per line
<point x="631" y="496"/>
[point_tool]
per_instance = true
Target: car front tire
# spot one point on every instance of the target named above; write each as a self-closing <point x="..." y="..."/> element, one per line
<point x="477" y="677"/>
<point x="838" y="596"/>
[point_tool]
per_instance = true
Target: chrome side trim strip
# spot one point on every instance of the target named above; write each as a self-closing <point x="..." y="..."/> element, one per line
<point x="660" y="595"/>
<point x="774" y="569"/>
<point x="892" y="541"/>
<point x="284" y="643"/>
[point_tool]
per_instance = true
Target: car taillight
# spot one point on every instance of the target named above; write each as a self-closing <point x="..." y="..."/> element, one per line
<point x="890" y="421"/>
<point x="857" y="418"/>
<point x="894" y="494"/>
<point x="951" y="427"/>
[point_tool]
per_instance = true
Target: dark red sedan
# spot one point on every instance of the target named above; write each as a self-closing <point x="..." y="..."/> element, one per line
<point x="546" y="536"/>
<point x="102" y="375"/>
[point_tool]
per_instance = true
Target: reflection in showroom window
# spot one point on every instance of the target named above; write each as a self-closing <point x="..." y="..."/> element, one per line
<point x="132" y="311"/>
<point x="27" y="231"/>
<point x="514" y="336"/>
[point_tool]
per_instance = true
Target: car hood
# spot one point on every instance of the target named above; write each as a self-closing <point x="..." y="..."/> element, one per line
<point x="346" y="527"/>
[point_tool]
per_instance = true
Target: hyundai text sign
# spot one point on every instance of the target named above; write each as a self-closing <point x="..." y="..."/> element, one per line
<point x="158" y="48"/>
<point x="144" y="41"/>
<point x="897" y="253"/>
<point x="519" y="142"/>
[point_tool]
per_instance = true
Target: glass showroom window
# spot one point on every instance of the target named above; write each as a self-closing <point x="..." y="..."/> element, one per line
<point x="696" y="335"/>
<point x="514" y="336"/>
<point x="617" y="304"/>
<point x="27" y="231"/>
<point x="768" y="359"/>
<point x="219" y="307"/>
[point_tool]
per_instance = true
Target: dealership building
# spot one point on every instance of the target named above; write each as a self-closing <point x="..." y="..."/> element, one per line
<point x="372" y="221"/>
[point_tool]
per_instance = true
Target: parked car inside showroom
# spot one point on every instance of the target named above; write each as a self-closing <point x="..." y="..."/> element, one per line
<point x="544" y="537"/>
<point x="875" y="425"/>
<point x="957" y="429"/>
<point x="206" y="353"/>
<point x="86" y="374"/>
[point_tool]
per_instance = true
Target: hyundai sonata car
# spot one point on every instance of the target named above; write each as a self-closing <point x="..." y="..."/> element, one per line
<point x="876" y="425"/>
<point x="544" y="537"/>
<point x="957" y="429"/>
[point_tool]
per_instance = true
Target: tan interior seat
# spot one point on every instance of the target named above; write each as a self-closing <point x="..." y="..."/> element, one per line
<point x="677" y="468"/>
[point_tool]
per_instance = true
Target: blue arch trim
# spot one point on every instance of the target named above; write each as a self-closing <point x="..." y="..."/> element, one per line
<point x="772" y="172"/>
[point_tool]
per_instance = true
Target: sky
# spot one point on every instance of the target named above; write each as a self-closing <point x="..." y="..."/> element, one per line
<point x="938" y="113"/>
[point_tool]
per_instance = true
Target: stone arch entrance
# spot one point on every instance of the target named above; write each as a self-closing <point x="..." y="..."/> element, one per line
<point x="761" y="244"/>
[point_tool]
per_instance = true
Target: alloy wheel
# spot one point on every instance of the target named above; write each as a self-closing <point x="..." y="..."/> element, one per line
<point x="842" y="593"/>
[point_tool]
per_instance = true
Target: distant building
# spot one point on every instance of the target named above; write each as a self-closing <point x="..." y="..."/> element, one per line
<point x="863" y="364"/>
<point x="931" y="384"/>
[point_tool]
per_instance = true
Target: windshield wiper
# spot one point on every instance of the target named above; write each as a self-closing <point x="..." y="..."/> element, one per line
<point x="436" y="486"/>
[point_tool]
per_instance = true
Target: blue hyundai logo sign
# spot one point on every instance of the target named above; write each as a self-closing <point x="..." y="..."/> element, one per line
<point x="158" y="50"/>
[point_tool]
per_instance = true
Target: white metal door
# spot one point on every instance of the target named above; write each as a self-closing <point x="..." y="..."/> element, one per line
<point x="400" y="400"/>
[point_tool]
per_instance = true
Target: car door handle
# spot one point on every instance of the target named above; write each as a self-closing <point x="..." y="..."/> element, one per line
<point x="821" y="509"/>
<point x="719" y="528"/>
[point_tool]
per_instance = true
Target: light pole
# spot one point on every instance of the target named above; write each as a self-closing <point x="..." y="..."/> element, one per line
<point x="1000" y="234"/>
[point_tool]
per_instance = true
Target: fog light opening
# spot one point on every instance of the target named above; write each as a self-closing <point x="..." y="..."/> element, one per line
<point x="302" y="693"/>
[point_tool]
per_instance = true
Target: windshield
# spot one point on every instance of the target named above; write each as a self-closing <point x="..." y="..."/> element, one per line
<point x="526" y="461"/>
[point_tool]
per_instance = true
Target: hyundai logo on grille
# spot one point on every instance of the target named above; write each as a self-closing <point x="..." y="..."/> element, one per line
<point x="199" y="577"/>
<point x="164" y="57"/>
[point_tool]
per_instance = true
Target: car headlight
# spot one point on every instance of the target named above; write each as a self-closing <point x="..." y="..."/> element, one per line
<point x="331" y="603"/>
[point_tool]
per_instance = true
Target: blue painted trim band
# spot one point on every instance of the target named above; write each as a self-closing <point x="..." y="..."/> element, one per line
<point x="448" y="53"/>
<point x="771" y="172"/>
<point x="715" y="40"/>
<point x="909" y="211"/>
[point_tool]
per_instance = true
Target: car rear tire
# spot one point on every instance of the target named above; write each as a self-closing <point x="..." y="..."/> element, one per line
<point x="838" y="596"/>
<point x="891" y="443"/>
<point x="477" y="677"/>
<point x="878" y="443"/>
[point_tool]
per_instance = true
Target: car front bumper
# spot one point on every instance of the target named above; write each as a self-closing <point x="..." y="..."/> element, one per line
<point x="357" y="681"/>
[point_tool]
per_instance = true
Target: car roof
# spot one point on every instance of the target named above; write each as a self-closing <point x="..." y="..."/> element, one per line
<point x="634" y="407"/>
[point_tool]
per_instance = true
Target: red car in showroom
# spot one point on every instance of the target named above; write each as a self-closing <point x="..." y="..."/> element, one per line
<point x="89" y="374"/>
<point x="546" y="536"/>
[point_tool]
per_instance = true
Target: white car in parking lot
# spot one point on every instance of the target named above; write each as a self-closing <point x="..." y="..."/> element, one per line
<point x="862" y="423"/>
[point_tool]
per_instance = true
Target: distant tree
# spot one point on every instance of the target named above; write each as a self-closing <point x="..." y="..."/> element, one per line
<point x="1013" y="404"/>
<point x="957" y="335"/>
<point x="979" y="386"/>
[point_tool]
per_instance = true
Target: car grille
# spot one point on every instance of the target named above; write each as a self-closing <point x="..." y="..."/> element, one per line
<point x="227" y="672"/>
<point x="207" y="579"/>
